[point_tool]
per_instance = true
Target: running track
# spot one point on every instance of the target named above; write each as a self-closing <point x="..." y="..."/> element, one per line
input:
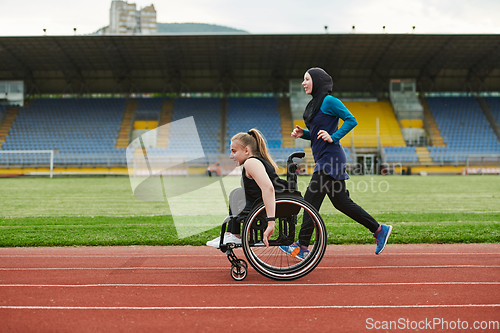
<point x="189" y="289"/>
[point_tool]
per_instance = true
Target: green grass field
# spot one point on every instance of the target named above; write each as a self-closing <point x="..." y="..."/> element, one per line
<point x="103" y="211"/>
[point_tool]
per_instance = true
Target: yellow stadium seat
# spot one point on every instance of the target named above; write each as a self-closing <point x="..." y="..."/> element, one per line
<point x="413" y="123"/>
<point x="145" y="124"/>
<point x="365" y="133"/>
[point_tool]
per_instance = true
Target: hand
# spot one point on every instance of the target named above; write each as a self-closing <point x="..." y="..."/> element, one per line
<point x="297" y="132"/>
<point x="269" y="231"/>
<point x="325" y="136"/>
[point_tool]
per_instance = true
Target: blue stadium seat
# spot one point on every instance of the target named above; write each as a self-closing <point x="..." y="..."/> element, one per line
<point x="149" y="108"/>
<point x="401" y="154"/>
<point x="207" y="117"/>
<point x="245" y="113"/>
<point x="71" y="126"/>
<point x="464" y="128"/>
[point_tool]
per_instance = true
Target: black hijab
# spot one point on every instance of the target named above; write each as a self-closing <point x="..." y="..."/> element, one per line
<point x="322" y="87"/>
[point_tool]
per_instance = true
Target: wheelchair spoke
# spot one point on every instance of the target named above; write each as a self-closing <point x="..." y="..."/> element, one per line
<point x="278" y="261"/>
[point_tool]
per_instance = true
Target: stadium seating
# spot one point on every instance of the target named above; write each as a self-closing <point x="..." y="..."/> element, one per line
<point x="494" y="103"/>
<point x="365" y="133"/>
<point x="84" y="131"/>
<point x="260" y="113"/>
<point x="3" y="111"/>
<point x="401" y="154"/>
<point x="464" y="127"/>
<point x="80" y="131"/>
<point x="149" y="109"/>
<point x="207" y="117"/>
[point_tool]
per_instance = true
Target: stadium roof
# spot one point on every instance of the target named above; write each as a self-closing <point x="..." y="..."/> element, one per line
<point x="247" y="62"/>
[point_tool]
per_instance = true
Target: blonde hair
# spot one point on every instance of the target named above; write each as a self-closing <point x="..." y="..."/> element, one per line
<point x="257" y="143"/>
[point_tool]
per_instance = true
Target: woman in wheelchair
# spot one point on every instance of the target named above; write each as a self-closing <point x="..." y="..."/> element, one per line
<point x="259" y="179"/>
<point x="268" y="206"/>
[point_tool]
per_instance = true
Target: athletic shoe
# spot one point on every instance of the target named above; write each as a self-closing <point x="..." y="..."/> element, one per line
<point x="295" y="250"/>
<point x="228" y="238"/>
<point x="214" y="242"/>
<point x="382" y="236"/>
<point x="231" y="239"/>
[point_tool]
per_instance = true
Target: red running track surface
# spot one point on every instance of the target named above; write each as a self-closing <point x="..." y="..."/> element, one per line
<point x="189" y="289"/>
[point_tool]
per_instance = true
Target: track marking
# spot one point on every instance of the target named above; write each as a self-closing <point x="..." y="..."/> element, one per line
<point x="248" y="307"/>
<point x="147" y="285"/>
<point x="218" y="268"/>
<point x="132" y="255"/>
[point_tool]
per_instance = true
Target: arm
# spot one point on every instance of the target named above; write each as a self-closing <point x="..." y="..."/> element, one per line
<point x="334" y="107"/>
<point x="255" y="169"/>
<point x="306" y="135"/>
<point x="299" y="132"/>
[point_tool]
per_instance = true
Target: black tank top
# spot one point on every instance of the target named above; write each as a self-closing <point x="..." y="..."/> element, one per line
<point x="252" y="190"/>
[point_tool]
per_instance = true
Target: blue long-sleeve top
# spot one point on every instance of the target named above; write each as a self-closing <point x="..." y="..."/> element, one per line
<point x="330" y="156"/>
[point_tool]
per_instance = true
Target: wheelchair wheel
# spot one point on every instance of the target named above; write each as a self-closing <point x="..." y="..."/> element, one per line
<point x="239" y="270"/>
<point x="273" y="261"/>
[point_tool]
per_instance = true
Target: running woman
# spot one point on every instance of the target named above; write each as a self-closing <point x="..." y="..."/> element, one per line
<point x="321" y="117"/>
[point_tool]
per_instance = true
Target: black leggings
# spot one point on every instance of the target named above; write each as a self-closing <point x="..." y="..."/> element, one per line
<point x="239" y="205"/>
<point x="322" y="184"/>
<point x="233" y="226"/>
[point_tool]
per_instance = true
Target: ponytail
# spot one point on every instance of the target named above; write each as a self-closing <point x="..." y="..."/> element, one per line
<point x="257" y="143"/>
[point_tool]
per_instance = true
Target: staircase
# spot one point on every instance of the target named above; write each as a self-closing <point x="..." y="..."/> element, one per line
<point x="286" y="123"/>
<point x="489" y="116"/>
<point x="433" y="130"/>
<point x="165" y="118"/>
<point x="7" y="122"/>
<point x="424" y="156"/>
<point x="126" y="127"/>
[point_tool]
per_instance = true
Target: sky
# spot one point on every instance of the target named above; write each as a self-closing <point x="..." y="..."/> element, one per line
<point x="30" y="17"/>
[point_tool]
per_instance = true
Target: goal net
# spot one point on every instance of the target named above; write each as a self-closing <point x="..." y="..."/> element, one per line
<point x="25" y="158"/>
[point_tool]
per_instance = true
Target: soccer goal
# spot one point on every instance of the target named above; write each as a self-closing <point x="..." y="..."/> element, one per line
<point x="482" y="164"/>
<point x="14" y="158"/>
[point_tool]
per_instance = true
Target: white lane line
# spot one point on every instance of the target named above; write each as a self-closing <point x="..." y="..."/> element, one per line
<point x="218" y="268"/>
<point x="141" y="255"/>
<point x="416" y="306"/>
<point x="225" y="285"/>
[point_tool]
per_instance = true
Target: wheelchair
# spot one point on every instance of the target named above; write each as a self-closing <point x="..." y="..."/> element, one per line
<point x="272" y="261"/>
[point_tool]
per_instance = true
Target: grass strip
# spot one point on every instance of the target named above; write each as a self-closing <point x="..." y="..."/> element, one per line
<point x="468" y="227"/>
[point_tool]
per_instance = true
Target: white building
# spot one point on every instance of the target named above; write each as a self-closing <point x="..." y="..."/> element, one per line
<point x="124" y="18"/>
<point x="148" y="20"/>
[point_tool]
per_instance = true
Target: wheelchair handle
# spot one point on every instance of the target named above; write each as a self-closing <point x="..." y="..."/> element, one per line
<point x="297" y="154"/>
<point x="291" y="169"/>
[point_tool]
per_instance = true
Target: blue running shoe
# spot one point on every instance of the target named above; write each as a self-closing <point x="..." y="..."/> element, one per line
<point x="295" y="251"/>
<point x="382" y="236"/>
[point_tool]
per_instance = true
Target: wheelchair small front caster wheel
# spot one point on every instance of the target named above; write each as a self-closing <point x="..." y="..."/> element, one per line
<point x="239" y="270"/>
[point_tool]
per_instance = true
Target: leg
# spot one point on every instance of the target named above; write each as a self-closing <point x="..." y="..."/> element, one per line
<point x="315" y="193"/>
<point x="234" y="227"/>
<point x="341" y="200"/>
<point x="231" y="234"/>
<point x="233" y="230"/>
<point x="236" y="206"/>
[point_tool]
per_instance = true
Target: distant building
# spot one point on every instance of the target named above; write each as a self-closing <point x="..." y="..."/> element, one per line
<point x="148" y="20"/>
<point x="124" y="18"/>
